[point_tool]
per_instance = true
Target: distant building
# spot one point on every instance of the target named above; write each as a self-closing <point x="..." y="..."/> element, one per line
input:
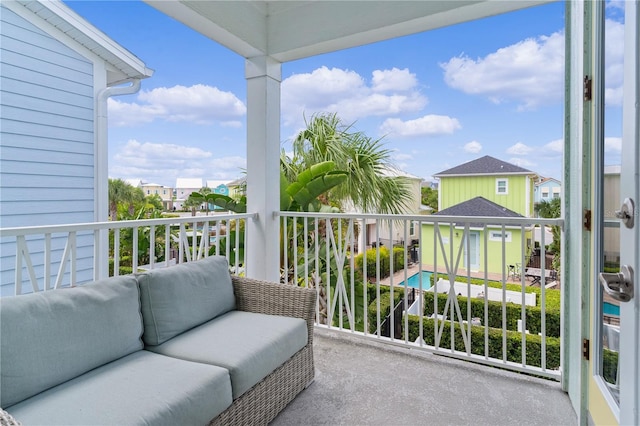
<point x="485" y="187"/>
<point x="546" y="189"/>
<point x="164" y="192"/>
<point x="184" y="188"/>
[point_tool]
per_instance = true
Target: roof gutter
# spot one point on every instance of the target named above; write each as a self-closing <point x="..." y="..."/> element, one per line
<point x="101" y="163"/>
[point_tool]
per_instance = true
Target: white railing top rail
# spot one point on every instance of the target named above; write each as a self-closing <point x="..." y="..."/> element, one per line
<point x="489" y="220"/>
<point x="93" y="226"/>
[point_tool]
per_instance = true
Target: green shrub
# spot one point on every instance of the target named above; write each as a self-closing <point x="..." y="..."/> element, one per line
<point x="399" y="255"/>
<point x="385" y="305"/>
<point x="494" y="347"/>
<point x="533" y="314"/>
<point x="610" y="365"/>
<point x="372" y="256"/>
<point x="122" y="270"/>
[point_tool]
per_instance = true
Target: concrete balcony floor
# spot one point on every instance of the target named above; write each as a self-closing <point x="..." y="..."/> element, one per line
<point x="368" y="383"/>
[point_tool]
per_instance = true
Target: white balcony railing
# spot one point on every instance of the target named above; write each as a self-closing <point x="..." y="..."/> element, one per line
<point x="501" y="309"/>
<point x="46" y="257"/>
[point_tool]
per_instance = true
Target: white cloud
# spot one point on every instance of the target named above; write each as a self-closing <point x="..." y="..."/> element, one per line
<point x="163" y="163"/>
<point x="522" y="162"/>
<point x="198" y="104"/>
<point x="555" y="146"/>
<point x="613" y="60"/>
<point x="429" y="125"/>
<point x="400" y="156"/>
<point x="529" y="72"/>
<point x="348" y="94"/>
<point x="473" y="147"/>
<point x="613" y="145"/>
<point x="519" y="149"/>
<point x="393" y="79"/>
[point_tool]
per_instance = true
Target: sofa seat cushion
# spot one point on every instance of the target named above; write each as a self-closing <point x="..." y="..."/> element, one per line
<point x="248" y="344"/>
<point x="143" y="388"/>
<point x="179" y="298"/>
<point x="50" y="337"/>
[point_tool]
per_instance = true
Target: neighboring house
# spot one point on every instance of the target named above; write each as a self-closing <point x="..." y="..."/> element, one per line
<point x="477" y="206"/>
<point x="503" y="183"/>
<point x="486" y="187"/>
<point x="217" y="187"/>
<point x="184" y="188"/>
<point x="546" y="189"/>
<point x="57" y="72"/>
<point x="237" y="188"/>
<point x="386" y="233"/>
<point x="164" y="192"/>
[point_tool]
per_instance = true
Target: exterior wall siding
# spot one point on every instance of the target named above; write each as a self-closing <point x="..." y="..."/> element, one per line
<point x="513" y="249"/>
<point x="546" y="190"/>
<point x="47" y="141"/>
<point x="454" y="190"/>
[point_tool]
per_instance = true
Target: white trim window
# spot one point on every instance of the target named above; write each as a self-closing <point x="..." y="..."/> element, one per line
<point x="497" y="236"/>
<point x="502" y="186"/>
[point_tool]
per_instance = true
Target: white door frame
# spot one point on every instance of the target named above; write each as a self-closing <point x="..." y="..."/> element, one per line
<point x="626" y="411"/>
<point x="630" y="238"/>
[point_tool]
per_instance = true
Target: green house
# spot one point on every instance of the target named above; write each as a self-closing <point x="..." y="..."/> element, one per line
<point x="485" y="187"/>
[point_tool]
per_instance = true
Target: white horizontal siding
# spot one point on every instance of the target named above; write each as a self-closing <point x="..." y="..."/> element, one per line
<point x="46" y="146"/>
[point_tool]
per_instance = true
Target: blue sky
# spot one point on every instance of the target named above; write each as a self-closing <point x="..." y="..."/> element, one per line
<point x="438" y="99"/>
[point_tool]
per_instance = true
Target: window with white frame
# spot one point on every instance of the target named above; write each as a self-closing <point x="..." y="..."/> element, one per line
<point x="545" y="194"/>
<point x="502" y="186"/>
<point x="497" y="236"/>
<point x="412" y="228"/>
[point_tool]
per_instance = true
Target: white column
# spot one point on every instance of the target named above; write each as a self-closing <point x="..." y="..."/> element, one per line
<point x="263" y="76"/>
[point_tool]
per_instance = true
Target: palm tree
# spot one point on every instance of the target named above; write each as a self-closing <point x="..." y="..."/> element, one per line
<point x="121" y="192"/>
<point x="367" y="163"/>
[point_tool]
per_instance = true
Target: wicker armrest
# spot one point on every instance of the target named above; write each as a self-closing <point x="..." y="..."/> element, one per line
<point x="6" y="419"/>
<point x="275" y="299"/>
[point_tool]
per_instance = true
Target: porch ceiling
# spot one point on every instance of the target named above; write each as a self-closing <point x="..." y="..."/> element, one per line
<point x="290" y="30"/>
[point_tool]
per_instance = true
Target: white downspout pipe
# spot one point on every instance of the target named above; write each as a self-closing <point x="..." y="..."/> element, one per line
<point x="101" y="166"/>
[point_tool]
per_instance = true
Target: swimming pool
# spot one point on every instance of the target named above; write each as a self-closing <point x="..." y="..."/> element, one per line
<point x="611" y="309"/>
<point x="414" y="280"/>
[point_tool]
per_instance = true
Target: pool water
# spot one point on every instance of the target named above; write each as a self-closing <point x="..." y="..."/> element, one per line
<point x="611" y="309"/>
<point x="414" y="280"/>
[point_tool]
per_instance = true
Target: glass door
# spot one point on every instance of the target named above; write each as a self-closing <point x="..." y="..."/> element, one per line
<point x="616" y="322"/>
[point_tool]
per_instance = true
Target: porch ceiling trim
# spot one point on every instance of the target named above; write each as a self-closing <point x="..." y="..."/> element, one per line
<point x="291" y="30"/>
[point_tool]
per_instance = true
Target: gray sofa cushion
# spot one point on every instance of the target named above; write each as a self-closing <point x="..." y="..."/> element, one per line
<point x="179" y="298"/>
<point x="247" y="344"/>
<point x="50" y="337"/>
<point x="141" y="389"/>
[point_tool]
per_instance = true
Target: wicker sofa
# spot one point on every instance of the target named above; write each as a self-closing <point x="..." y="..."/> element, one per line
<point x="185" y="345"/>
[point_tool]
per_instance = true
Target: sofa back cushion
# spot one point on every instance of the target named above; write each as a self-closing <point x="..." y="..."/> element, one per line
<point x="50" y="337"/>
<point x="181" y="297"/>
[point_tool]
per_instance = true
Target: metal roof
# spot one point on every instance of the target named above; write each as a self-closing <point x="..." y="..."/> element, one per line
<point x="478" y="206"/>
<point x="486" y="165"/>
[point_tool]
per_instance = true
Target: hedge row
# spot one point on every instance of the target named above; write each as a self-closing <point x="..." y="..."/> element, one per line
<point x="385" y="260"/>
<point x="494" y="347"/>
<point x="610" y="365"/>
<point x="533" y="314"/>
<point x="385" y="305"/>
